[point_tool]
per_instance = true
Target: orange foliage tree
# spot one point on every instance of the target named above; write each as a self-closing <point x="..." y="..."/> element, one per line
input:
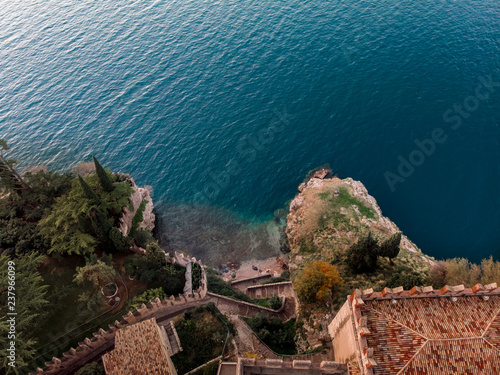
<point x="315" y="281"/>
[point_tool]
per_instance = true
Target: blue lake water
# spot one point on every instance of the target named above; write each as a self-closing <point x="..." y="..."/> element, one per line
<point x="224" y="106"/>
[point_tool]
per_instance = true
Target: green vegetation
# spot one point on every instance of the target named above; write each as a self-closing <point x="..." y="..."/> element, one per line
<point x="202" y="333"/>
<point x="363" y="255"/>
<point x="334" y="204"/>
<point x="196" y="276"/>
<point x="315" y="282"/>
<point x="138" y="218"/>
<point x="279" y="336"/>
<point x="217" y="285"/>
<point x="26" y="284"/>
<point x="390" y="247"/>
<point x="96" y="273"/>
<point x="103" y="176"/>
<point x="19" y="213"/>
<point x="274" y="302"/>
<point x="154" y="270"/>
<point x="94" y="368"/>
<point x="405" y="277"/>
<point x="458" y="271"/>
<point x="81" y="220"/>
<point x="146" y="297"/>
<point x="285" y="276"/>
<point x="143" y="237"/>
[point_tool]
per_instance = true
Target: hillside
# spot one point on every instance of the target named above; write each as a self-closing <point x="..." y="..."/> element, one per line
<point x="328" y="215"/>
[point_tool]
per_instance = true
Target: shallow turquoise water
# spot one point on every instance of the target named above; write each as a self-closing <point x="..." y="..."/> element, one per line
<point x="185" y="95"/>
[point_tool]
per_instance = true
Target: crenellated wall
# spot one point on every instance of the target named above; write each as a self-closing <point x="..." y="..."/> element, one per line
<point x="91" y="349"/>
<point x="278" y="366"/>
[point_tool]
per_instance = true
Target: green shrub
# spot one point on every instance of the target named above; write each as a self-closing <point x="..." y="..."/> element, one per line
<point x="363" y="255"/>
<point x="143" y="237"/>
<point x="279" y="336"/>
<point x="275" y="302"/>
<point x="138" y="218"/>
<point x="146" y="297"/>
<point x="390" y="247"/>
<point x="196" y="276"/>
<point x="120" y="242"/>
<point x="217" y="285"/>
<point x="202" y="334"/>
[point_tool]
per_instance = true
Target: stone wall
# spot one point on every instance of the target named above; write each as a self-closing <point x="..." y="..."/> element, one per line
<point x="248" y="366"/>
<point x="265" y="291"/>
<point x="91" y="349"/>
<point x="243" y="284"/>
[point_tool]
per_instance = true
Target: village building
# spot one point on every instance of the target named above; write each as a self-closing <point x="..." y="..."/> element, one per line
<point x="454" y="330"/>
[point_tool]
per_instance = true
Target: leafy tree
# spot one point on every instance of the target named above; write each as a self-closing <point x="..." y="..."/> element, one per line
<point x="490" y="271"/>
<point x="146" y="297"/>
<point x="30" y="305"/>
<point x="79" y="222"/>
<point x="19" y="213"/>
<point x="97" y="271"/>
<point x="363" y="255"/>
<point x="316" y="280"/>
<point x="120" y="242"/>
<point x="143" y="237"/>
<point x="153" y="269"/>
<point x="104" y="179"/>
<point x="18" y="237"/>
<point x="390" y="247"/>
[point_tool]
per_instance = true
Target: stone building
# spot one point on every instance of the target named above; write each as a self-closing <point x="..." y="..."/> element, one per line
<point x="141" y="348"/>
<point x="454" y="330"/>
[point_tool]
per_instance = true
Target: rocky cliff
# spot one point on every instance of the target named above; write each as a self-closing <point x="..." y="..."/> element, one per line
<point x="138" y="196"/>
<point x="328" y="215"/>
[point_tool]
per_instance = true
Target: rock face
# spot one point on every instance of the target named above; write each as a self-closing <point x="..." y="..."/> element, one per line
<point x="139" y="195"/>
<point x="332" y="214"/>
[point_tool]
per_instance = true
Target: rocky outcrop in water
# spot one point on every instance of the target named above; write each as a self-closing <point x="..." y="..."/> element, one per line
<point x="330" y="214"/>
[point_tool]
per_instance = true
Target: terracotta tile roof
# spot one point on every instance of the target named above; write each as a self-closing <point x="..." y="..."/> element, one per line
<point x="139" y="349"/>
<point x="451" y="331"/>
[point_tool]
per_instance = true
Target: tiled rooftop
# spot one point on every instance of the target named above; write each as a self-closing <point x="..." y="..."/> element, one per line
<point x="139" y="349"/>
<point x="450" y="331"/>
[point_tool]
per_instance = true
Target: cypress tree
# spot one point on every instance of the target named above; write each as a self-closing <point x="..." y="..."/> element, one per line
<point x="390" y="247"/>
<point x="363" y="255"/>
<point x="88" y="191"/>
<point x="104" y="179"/>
